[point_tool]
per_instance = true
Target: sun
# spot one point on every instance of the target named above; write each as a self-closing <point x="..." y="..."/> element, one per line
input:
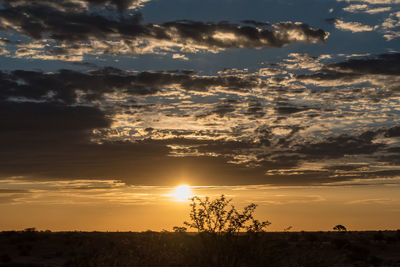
<point x="182" y="193"/>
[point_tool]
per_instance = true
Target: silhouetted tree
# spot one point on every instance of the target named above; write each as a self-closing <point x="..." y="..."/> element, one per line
<point x="218" y="216"/>
<point x="340" y="228"/>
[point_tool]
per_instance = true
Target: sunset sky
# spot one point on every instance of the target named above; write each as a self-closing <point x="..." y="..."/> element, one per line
<point x="107" y="105"/>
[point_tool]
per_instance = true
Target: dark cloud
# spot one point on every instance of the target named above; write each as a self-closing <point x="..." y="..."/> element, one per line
<point x="34" y="132"/>
<point x="393" y="132"/>
<point x="56" y="140"/>
<point x="51" y="118"/>
<point x="53" y="140"/>
<point x="70" y="154"/>
<point x="64" y="85"/>
<point x="339" y="146"/>
<point x="281" y="161"/>
<point x="263" y="135"/>
<point x="306" y="177"/>
<point x="255" y="109"/>
<point x="39" y="21"/>
<point x="59" y="125"/>
<point x="289" y="109"/>
<point x="394" y="150"/>
<point x="287" y="140"/>
<point x="321" y="177"/>
<point x="352" y="167"/>
<point x="68" y="5"/>
<point x="328" y="75"/>
<point x="222" y="109"/>
<point x="119" y="4"/>
<point x="256" y="23"/>
<point x="385" y="64"/>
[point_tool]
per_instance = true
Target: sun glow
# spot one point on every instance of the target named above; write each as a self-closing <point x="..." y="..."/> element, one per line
<point x="182" y="193"/>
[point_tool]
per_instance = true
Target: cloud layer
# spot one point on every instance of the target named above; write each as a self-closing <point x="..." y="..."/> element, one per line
<point x="302" y="121"/>
<point x="61" y="30"/>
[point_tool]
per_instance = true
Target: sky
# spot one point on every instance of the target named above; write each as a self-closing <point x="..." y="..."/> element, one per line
<point x="107" y="106"/>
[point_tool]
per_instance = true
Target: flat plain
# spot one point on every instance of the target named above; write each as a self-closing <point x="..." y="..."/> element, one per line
<point x="45" y="248"/>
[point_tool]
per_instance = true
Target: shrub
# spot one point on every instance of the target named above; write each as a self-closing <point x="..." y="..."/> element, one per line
<point x="218" y="216"/>
<point x="340" y="228"/>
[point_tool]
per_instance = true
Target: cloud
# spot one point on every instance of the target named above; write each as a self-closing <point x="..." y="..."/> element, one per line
<point x="80" y="192"/>
<point x="376" y="70"/>
<point x="288" y="199"/>
<point x="373" y="2"/>
<point x="221" y="109"/>
<point x="3" y="51"/>
<point x="70" y="86"/>
<point x="378" y="10"/>
<point x="352" y="26"/>
<point x="389" y="14"/>
<point x="51" y="130"/>
<point x="288" y="109"/>
<point x="180" y="56"/>
<point x="339" y="146"/>
<point x="355" y="7"/>
<point x="385" y="64"/>
<point x="366" y="8"/>
<point x="67" y="35"/>
<point x="391" y="26"/>
<point x="255" y="109"/>
<point x="372" y="201"/>
<point x="77" y="5"/>
<point x="285" y="126"/>
<point x="49" y="118"/>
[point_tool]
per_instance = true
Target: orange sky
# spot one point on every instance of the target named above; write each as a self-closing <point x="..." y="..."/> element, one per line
<point x="114" y="206"/>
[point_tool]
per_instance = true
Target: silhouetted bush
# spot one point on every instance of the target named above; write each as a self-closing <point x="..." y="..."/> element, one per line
<point x="340" y="228"/>
<point x="218" y="216"/>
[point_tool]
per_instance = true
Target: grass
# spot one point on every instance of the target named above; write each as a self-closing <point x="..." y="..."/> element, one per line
<point x="33" y="248"/>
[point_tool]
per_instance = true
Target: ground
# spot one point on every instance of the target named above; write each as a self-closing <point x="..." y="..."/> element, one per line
<point x="45" y="248"/>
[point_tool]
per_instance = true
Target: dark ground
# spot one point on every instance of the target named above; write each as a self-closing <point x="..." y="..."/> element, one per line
<point x="33" y="248"/>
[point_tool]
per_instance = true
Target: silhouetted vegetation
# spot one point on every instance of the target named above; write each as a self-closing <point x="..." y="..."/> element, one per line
<point x="225" y="237"/>
<point x="340" y="228"/>
<point x="218" y="216"/>
<point x="200" y="249"/>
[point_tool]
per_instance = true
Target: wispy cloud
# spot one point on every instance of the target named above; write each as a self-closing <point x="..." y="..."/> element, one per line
<point x="352" y="26"/>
